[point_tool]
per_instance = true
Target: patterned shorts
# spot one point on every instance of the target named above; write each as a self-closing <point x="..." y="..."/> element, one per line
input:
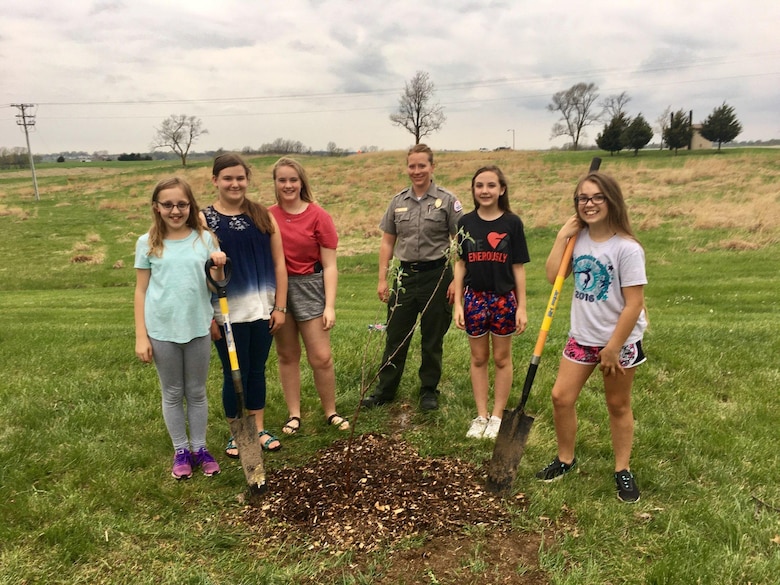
<point x="630" y="355"/>
<point x="488" y="311"/>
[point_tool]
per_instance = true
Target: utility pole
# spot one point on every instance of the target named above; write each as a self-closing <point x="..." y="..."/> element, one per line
<point x="512" y="130"/>
<point x="27" y="120"/>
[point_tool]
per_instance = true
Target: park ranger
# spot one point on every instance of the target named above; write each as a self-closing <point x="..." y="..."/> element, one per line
<point x="417" y="228"/>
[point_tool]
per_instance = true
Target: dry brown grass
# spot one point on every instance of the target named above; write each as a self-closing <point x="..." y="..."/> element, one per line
<point x="96" y="258"/>
<point x="16" y="213"/>
<point x="736" y="191"/>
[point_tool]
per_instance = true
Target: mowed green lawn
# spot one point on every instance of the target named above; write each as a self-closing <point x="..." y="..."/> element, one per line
<point x="85" y="490"/>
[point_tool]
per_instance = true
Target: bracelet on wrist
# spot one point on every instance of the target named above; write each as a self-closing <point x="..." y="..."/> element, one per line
<point x="280" y="309"/>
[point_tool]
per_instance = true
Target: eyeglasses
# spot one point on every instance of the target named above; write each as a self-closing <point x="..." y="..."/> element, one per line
<point x="597" y="199"/>
<point x="168" y="206"/>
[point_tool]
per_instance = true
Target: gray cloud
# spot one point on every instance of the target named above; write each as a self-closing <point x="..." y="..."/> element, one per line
<point x="252" y="69"/>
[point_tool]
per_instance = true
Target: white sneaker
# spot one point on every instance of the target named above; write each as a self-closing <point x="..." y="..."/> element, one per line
<point x="477" y="428"/>
<point x="491" y="429"/>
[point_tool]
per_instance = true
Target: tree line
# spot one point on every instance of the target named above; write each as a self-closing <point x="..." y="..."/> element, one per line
<point x="418" y="113"/>
<point x="579" y="108"/>
<point x="15" y="158"/>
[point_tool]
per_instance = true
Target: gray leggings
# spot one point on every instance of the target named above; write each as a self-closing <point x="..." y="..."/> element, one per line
<point x="183" y="369"/>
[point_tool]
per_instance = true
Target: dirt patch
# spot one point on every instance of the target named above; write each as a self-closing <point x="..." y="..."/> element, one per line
<point x="403" y="518"/>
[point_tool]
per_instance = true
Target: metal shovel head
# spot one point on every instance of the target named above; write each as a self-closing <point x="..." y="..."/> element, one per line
<point x="509" y="449"/>
<point x="250" y="452"/>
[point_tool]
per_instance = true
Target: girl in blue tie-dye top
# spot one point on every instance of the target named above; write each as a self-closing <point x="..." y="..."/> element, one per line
<point x="257" y="290"/>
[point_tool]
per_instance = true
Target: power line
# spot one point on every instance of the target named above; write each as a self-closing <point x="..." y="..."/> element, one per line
<point x="472" y="84"/>
<point x="326" y="110"/>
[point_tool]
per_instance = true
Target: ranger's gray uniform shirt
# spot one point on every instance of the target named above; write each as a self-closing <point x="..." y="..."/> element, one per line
<point x="422" y="228"/>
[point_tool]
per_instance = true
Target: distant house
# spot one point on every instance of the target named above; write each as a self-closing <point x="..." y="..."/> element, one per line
<point x="698" y="142"/>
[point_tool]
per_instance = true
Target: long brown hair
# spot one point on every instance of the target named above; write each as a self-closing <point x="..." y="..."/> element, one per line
<point x="503" y="199"/>
<point x="159" y="230"/>
<point x="256" y="211"/>
<point x="617" y="211"/>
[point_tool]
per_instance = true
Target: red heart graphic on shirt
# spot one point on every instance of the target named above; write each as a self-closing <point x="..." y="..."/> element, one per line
<point x="494" y="239"/>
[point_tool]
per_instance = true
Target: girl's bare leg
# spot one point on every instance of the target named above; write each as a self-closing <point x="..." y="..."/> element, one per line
<point x="568" y="385"/>
<point x="480" y="356"/>
<point x="502" y="359"/>
<point x="617" y="388"/>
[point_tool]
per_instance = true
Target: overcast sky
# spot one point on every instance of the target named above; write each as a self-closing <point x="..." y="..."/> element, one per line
<point x="105" y="73"/>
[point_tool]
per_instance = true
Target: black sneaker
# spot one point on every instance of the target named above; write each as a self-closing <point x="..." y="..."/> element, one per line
<point x="429" y="401"/>
<point x="627" y="490"/>
<point x="556" y="470"/>
<point x="372" y="401"/>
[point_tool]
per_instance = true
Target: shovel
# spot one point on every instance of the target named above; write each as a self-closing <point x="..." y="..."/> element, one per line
<point x="243" y="427"/>
<point x="516" y="424"/>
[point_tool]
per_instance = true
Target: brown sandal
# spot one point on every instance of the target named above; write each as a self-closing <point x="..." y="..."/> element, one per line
<point x="291" y="429"/>
<point x="338" y="421"/>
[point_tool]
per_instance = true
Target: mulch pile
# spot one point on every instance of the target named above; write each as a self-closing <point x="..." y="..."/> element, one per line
<point x="376" y="493"/>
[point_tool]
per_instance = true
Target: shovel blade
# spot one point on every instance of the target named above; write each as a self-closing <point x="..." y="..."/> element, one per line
<point x="510" y="445"/>
<point x="250" y="452"/>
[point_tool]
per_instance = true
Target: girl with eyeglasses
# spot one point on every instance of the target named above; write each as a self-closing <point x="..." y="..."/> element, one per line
<point x="173" y="312"/>
<point x="608" y="321"/>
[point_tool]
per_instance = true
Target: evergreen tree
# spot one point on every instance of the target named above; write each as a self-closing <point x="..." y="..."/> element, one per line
<point x="611" y="138"/>
<point x="637" y="134"/>
<point x="679" y="132"/>
<point x="721" y="125"/>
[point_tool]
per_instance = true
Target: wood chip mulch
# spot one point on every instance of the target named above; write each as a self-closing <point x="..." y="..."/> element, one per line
<point x="385" y="493"/>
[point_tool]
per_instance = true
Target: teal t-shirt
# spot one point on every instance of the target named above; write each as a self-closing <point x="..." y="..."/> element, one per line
<point x="177" y="307"/>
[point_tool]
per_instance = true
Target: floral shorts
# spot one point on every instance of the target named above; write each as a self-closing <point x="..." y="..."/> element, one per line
<point x="630" y="355"/>
<point x="486" y="311"/>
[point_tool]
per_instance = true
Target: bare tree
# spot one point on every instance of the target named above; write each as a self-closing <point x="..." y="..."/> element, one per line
<point x="577" y="112"/>
<point x="614" y="106"/>
<point x="284" y="146"/>
<point x="179" y="133"/>
<point x="334" y="150"/>
<point x="662" y="123"/>
<point x="415" y="112"/>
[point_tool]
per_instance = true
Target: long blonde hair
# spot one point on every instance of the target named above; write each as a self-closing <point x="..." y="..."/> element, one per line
<point x="285" y="161"/>
<point x="159" y="230"/>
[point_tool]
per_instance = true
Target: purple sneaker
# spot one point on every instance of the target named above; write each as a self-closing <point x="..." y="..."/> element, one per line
<point x="182" y="464"/>
<point x="207" y="463"/>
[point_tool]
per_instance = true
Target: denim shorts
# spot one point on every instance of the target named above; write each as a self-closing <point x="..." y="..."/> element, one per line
<point x="486" y="311"/>
<point x="631" y="354"/>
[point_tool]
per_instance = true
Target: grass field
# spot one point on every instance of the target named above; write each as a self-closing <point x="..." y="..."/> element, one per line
<point x="85" y="490"/>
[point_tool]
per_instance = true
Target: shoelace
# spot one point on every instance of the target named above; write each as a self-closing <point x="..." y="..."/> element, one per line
<point x="205" y="456"/>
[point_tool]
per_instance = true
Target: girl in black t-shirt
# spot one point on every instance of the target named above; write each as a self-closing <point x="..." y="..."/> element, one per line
<point x="490" y="300"/>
